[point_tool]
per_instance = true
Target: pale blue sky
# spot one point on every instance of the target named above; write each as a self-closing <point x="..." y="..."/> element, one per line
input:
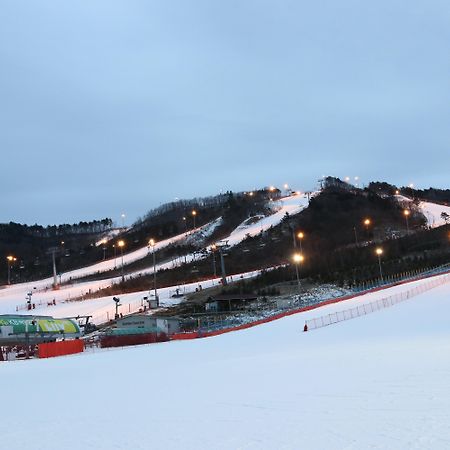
<point x="109" y="106"/>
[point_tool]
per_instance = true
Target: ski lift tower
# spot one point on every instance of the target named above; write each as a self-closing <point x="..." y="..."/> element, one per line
<point x="223" y="245"/>
<point x="52" y="251"/>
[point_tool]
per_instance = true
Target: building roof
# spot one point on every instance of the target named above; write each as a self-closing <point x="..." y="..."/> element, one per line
<point x="24" y="316"/>
<point x="168" y="317"/>
<point x="144" y="316"/>
<point x="231" y="297"/>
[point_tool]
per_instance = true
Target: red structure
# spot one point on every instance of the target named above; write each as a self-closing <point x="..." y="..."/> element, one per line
<point x="61" y="348"/>
<point x="132" y="339"/>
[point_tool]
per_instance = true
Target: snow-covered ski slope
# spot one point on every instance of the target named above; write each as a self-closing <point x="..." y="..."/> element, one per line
<point x="100" y="267"/>
<point x="375" y="382"/>
<point x="99" y="307"/>
<point x="290" y="205"/>
<point x="128" y="258"/>
<point x="432" y="211"/>
<point x="15" y="294"/>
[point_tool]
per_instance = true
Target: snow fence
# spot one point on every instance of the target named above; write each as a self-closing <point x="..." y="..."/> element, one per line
<point x="367" y="308"/>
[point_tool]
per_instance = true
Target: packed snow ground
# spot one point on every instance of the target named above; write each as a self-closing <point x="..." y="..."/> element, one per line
<point x="375" y="382"/>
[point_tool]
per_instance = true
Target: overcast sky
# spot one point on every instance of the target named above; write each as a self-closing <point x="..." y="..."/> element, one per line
<point x="117" y="106"/>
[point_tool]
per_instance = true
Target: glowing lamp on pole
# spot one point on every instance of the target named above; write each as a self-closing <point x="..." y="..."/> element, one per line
<point x="298" y="258"/>
<point x="121" y="245"/>
<point x="152" y="244"/>
<point x="300" y="236"/>
<point x="407" y="213"/>
<point x="379" y="252"/>
<point x="10" y="259"/>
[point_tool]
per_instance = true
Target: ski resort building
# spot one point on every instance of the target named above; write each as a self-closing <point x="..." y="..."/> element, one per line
<point x="142" y="323"/>
<point x="230" y="302"/>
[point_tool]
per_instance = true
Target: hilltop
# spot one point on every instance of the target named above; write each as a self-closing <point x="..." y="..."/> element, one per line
<point x="254" y="234"/>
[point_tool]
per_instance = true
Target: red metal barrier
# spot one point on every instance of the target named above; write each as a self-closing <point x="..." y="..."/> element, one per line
<point x="183" y="336"/>
<point x="132" y="339"/>
<point x="61" y="348"/>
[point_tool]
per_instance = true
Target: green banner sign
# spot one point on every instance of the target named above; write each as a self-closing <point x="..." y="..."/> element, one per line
<point x="33" y="324"/>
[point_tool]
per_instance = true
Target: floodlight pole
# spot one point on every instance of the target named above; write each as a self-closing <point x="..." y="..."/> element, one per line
<point x="379" y="265"/>
<point x="154" y="276"/>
